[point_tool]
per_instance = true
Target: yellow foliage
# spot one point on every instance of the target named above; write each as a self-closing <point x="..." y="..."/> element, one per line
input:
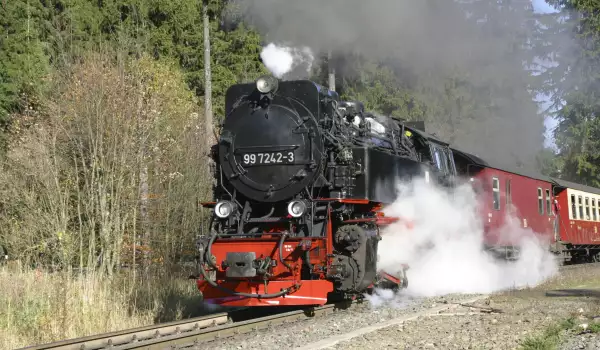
<point x="75" y="183"/>
<point x="38" y="307"/>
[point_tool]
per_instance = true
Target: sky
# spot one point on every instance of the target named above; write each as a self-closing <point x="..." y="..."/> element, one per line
<point x="540" y="6"/>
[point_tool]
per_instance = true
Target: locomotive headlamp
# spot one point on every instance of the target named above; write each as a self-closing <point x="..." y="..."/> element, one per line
<point x="267" y="84"/>
<point x="296" y="208"/>
<point x="223" y="209"/>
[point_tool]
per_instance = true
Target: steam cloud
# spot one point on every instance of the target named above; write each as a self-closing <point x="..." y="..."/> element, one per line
<point x="429" y="44"/>
<point x="444" y="246"/>
<point x="281" y="60"/>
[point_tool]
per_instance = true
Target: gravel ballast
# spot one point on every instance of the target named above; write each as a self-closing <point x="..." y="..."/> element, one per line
<point x="515" y="317"/>
<point x="300" y="333"/>
<point x="499" y="321"/>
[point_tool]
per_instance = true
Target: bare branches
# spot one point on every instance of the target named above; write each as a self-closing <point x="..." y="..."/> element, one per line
<point x="119" y="161"/>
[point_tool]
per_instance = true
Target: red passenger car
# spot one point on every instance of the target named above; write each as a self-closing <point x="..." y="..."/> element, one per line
<point x="578" y="221"/>
<point x="513" y="203"/>
<point x="563" y="213"/>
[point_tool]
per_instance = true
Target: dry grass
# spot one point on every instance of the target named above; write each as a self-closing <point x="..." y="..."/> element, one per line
<point x="39" y="307"/>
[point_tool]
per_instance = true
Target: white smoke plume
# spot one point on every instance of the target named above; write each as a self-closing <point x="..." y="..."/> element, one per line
<point x="443" y="246"/>
<point x="281" y="60"/>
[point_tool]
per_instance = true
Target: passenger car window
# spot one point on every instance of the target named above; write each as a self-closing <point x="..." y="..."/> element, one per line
<point x="508" y="194"/>
<point x="548" y="208"/>
<point x="573" y="207"/>
<point x="496" y="192"/>
<point x="540" y="201"/>
<point x="587" y="208"/>
<point x="580" y="202"/>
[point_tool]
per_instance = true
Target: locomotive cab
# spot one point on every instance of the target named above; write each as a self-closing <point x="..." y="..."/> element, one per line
<point x="437" y="155"/>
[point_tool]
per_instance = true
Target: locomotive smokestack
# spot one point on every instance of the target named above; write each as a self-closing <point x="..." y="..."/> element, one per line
<point x="331" y="73"/>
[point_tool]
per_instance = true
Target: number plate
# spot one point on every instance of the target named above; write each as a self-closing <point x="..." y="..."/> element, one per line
<point x="265" y="158"/>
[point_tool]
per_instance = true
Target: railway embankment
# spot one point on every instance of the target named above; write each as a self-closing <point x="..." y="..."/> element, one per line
<point x="39" y="306"/>
<point x="560" y="314"/>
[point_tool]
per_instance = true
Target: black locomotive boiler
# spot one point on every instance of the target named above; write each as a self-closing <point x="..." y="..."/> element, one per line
<point x="301" y="180"/>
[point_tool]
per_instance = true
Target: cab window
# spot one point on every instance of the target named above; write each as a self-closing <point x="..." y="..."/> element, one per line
<point x="442" y="158"/>
<point x="438" y="160"/>
<point x="451" y="164"/>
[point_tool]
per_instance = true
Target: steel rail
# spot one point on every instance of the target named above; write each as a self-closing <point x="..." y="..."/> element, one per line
<point x="184" y="334"/>
<point x="115" y="339"/>
<point x="197" y="339"/>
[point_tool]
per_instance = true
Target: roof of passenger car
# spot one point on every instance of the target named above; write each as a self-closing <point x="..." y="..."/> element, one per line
<point x="518" y="171"/>
<point x="576" y="186"/>
<point x="527" y="173"/>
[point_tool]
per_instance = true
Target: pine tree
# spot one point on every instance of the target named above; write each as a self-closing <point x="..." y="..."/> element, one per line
<point x="24" y="63"/>
<point x="574" y="82"/>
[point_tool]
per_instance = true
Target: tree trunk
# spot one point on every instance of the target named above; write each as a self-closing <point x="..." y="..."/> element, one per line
<point x="144" y="214"/>
<point x="208" y="112"/>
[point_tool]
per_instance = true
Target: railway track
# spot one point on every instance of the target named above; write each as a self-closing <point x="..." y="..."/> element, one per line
<point x="192" y="333"/>
<point x="186" y="334"/>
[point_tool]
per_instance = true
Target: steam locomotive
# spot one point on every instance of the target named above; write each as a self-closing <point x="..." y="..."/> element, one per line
<point x="302" y="177"/>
